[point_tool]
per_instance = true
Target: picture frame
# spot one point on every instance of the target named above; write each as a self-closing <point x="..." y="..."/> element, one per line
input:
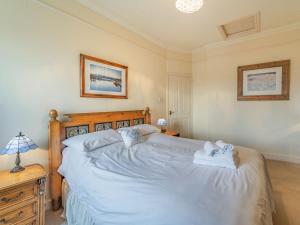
<point x="264" y="81"/>
<point x="100" y="78"/>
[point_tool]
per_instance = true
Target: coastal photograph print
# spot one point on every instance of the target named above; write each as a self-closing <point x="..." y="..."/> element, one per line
<point x="265" y="81"/>
<point x="102" y="79"/>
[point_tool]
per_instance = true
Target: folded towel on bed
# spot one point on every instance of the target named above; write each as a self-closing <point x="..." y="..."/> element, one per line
<point x="224" y="160"/>
<point x="220" y="147"/>
<point x="210" y="148"/>
<point x="220" y="154"/>
<point x="225" y="146"/>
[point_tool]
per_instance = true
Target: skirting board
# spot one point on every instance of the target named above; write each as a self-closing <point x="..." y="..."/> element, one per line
<point x="279" y="157"/>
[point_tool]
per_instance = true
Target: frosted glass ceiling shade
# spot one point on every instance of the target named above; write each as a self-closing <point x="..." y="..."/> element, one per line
<point x="189" y="6"/>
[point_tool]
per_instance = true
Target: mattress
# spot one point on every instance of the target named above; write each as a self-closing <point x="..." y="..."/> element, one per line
<point x="156" y="183"/>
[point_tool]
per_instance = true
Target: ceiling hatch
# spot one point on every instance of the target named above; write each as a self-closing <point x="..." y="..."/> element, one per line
<point x="241" y="27"/>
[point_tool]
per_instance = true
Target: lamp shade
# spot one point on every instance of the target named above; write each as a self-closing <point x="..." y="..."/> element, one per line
<point x="162" y="122"/>
<point x="20" y="143"/>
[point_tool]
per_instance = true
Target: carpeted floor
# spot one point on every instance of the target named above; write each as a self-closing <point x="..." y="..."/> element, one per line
<point x="53" y="218"/>
<point x="286" y="186"/>
<point x="285" y="179"/>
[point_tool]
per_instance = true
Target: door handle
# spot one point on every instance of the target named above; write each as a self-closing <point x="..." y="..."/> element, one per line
<point x="171" y="112"/>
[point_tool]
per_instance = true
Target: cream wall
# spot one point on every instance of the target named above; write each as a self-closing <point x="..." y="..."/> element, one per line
<point x="272" y="127"/>
<point x="40" y="49"/>
<point x="179" y="64"/>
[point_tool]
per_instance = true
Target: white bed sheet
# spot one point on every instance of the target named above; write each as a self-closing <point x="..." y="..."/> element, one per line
<point x="156" y="183"/>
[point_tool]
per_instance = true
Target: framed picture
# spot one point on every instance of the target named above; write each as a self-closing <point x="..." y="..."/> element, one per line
<point x="265" y="81"/>
<point x="102" y="79"/>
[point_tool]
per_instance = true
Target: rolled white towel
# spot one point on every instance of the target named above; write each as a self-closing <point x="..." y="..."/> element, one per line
<point x="210" y="148"/>
<point x="228" y="160"/>
<point x="224" y="146"/>
<point x="227" y="157"/>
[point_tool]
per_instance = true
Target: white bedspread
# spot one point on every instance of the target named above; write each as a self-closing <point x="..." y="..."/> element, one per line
<point x="156" y="183"/>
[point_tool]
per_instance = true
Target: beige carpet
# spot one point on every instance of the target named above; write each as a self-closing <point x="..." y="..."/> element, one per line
<point x="285" y="179"/>
<point x="286" y="186"/>
<point x="53" y="218"/>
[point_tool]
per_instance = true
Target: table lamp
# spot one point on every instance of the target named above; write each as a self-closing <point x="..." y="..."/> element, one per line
<point x="18" y="144"/>
<point x="162" y="123"/>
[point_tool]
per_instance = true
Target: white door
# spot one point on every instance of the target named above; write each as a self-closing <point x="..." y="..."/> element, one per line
<point x="180" y="104"/>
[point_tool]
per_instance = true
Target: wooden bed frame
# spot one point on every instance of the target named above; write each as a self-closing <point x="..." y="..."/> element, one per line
<point x="80" y="123"/>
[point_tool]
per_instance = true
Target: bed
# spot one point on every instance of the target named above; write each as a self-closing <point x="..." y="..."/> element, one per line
<point x="153" y="183"/>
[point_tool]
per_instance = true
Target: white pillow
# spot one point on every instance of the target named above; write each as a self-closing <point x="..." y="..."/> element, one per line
<point x="130" y="136"/>
<point x="91" y="141"/>
<point x="144" y="129"/>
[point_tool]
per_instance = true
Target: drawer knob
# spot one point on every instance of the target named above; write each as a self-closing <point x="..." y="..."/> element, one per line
<point x="12" y="220"/>
<point x="7" y="200"/>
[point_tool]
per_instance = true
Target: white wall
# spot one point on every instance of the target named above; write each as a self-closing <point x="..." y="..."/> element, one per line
<point x="273" y="127"/>
<point x="39" y="63"/>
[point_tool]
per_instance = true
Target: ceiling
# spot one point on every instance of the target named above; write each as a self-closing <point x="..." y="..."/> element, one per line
<point x="159" y="20"/>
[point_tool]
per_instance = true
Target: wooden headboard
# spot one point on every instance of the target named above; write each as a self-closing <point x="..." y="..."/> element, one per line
<point x="81" y="123"/>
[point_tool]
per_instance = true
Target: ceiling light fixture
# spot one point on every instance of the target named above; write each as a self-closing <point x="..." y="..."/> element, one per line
<point x="189" y="6"/>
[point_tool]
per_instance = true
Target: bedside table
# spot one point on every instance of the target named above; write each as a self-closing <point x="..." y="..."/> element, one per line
<point x="22" y="196"/>
<point x="172" y="133"/>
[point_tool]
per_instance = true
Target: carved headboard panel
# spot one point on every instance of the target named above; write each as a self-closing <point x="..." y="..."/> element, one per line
<point x="82" y="123"/>
<point x="76" y="130"/>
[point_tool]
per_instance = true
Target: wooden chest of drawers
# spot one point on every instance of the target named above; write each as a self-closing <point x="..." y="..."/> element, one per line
<point x="22" y="196"/>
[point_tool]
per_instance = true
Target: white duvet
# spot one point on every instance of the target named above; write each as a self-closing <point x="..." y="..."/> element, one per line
<point x="156" y="183"/>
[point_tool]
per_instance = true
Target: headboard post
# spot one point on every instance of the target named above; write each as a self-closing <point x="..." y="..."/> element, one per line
<point x="147" y="115"/>
<point x="55" y="157"/>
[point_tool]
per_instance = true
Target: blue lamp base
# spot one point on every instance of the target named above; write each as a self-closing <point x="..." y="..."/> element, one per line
<point x="18" y="167"/>
<point x="163" y="129"/>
